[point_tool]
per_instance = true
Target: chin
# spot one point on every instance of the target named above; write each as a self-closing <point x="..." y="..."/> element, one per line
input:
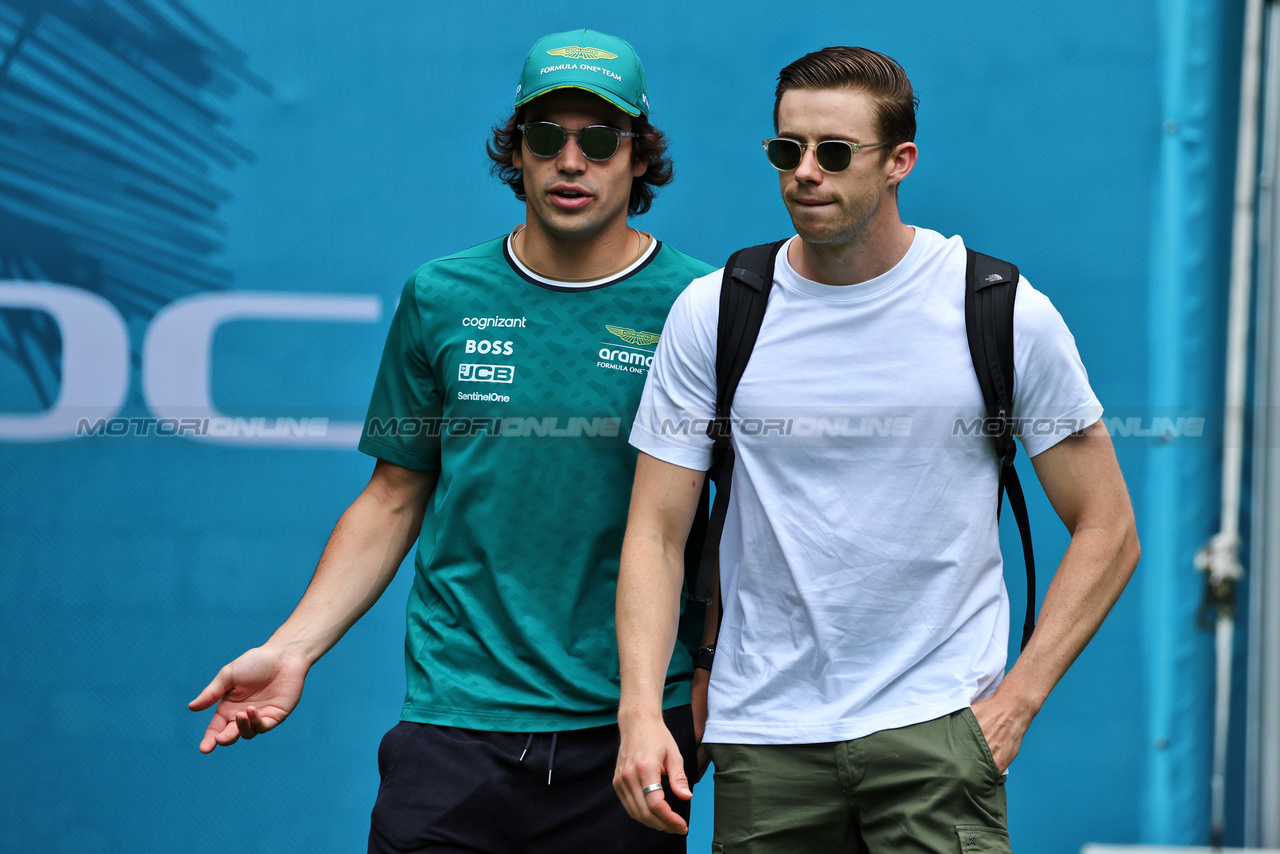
<point x="821" y="237"/>
<point x="813" y="233"/>
<point x="806" y="220"/>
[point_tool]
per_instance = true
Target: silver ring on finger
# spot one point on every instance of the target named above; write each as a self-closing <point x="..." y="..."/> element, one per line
<point x="652" y="787"/>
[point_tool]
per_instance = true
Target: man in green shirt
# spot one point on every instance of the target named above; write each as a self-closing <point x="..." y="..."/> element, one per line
<point x="504" y="400"/>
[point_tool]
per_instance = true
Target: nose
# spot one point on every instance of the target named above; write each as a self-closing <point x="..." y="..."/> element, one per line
<point x="570" y="159"/>
<point x="808" y="170"/>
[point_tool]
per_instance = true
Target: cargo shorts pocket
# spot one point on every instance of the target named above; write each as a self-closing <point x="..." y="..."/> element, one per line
<point x="980" y="840"/>
<point x="983" y="745"/>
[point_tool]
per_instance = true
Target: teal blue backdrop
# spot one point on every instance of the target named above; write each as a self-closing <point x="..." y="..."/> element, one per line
<point x="288" y="163"/>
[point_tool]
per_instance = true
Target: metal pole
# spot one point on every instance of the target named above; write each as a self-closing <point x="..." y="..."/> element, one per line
<point x="1218" y="558"/>
<point x="1262" y="739"/>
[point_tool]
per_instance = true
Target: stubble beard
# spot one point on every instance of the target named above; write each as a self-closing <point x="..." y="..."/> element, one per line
<point x="851" y="232"/>
<point x="574" y="225"/>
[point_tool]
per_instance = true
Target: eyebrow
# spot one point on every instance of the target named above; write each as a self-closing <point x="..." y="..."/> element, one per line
<point x="802" y="138"/>
<point x="606" y="124"/>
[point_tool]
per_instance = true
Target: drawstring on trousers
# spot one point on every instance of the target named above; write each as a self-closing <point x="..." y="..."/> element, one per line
<point x="551" y="756"/>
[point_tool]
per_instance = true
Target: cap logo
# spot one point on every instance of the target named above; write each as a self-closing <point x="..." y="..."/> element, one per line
<point x="575" y="52"/>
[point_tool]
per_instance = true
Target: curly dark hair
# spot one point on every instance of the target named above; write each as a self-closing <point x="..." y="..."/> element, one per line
<point x="650" y="146"/>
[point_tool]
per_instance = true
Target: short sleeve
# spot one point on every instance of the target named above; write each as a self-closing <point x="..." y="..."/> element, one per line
<point x="406" y="397"/>
<point x="1052" y="396"/>
<point x="680" y="392"/>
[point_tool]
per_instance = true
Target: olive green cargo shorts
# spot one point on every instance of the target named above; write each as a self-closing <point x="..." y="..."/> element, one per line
<point x="928" y="788"/>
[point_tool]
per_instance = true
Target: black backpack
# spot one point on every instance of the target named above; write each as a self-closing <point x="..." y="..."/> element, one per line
<point x="990" y="288"/>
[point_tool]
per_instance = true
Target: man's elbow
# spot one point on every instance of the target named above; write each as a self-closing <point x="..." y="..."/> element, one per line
<point x="1130" y="550"/>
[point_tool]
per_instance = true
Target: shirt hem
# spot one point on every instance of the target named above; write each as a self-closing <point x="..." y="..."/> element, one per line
<point x="1086" y="414"/>
<point x="643" y="440"/>
<point x="843" y="730"/>
<point x="533" y="722"/>
<point x="396" y="456"/>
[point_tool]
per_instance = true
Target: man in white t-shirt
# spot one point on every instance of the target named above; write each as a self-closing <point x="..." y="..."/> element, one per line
<point x="858" y="700"/>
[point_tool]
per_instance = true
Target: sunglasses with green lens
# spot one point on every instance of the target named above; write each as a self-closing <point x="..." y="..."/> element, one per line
<point x="834" y="155"/>
<point x="596" y="142"/>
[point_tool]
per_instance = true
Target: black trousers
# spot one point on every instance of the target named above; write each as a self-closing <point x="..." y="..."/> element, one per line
<point x="446" y="790"/>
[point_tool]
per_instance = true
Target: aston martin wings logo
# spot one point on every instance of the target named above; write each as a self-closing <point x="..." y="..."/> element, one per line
<point x="640" y="339"/>
<point x="575" y="52"/>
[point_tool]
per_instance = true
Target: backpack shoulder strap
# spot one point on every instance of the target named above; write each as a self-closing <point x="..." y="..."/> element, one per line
<point x="744" y="295"/>
<point x="990" y="289"/>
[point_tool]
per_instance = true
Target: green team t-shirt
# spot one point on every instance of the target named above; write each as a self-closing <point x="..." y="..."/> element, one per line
<point x="521" y="392"/>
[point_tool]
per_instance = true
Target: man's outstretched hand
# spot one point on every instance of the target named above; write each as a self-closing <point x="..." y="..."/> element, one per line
<point x="254" y="693"/>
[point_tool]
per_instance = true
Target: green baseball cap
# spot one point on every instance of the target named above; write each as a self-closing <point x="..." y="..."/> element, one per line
<point x="585" y="59"/>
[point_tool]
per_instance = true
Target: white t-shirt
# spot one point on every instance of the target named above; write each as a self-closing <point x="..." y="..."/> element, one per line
<point x="860" y="564"/>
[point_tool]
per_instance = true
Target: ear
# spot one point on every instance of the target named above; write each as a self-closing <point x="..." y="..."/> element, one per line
<point x="901" y="161"/>
<point x="517" y="158"/>
<point x="639" y="167"/>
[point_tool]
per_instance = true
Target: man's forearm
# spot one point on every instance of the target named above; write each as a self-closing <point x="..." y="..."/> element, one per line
<point x="1094" y="571"/>
<point x="663" y="502"/>
<point x="1082" y="480"/>
<point x="367" y="546"/>
<point x="649" y="582"/>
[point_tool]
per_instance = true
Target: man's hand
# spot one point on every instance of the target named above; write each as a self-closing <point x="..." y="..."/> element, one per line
<point x="646" y="754"/>
<point x="1004" y="722"/>
<point x="259" y="689"/>
<point x="254" y="693"/>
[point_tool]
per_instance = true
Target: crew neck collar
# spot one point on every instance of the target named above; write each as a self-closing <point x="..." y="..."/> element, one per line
<point x="787" y="276"/>
<point x="555" y="284"/>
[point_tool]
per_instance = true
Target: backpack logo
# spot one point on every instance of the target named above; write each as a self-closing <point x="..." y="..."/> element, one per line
<point x="994" y="277"/>
<point x="575" y="52"/>
<point x="631" y="336"/>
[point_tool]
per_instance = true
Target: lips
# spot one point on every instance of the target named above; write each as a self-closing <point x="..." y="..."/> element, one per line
<point x="569" y="198"/>
<point x="811" y="203"/>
